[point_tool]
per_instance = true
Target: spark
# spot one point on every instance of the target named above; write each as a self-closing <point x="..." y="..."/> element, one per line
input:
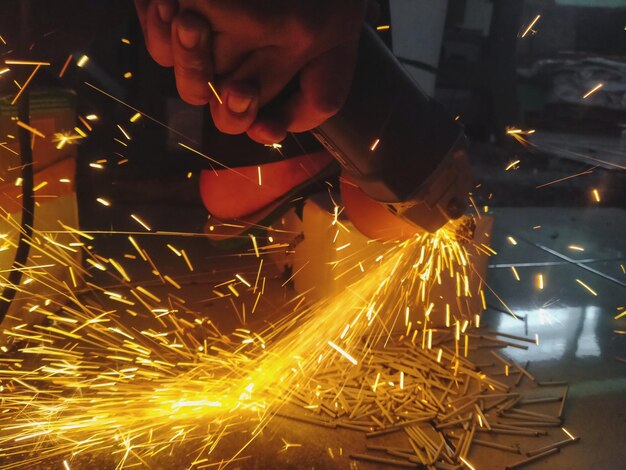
<point x="238" y="276"/>
<point x="374" y="145"/>
<point x="31" y="129"/>
<point x="171" y="129"/>
<point x="135" y="117"/>
<point x="575" y="248"/>
<point x="596" y="195"/>
<point x="103" y="201"/>
<point x="288" y="445"/>
<point x="469" y="465"/>
<point x="41" y="185"/>
<point x="258" y="169"/>
<point x="512" y="240"/>
<point x="275" y="146"/>
<point x="219" y="100"/>
<point x="512" y="165"/>
<point x="586" y="172"/>
<point x="65" y="66"/>
<point x="92" y="117"/>
<point x="140" y="222"/>
<point x="123" y="132"/>
<point x="540" y="282"/>
<point x="515" y="273"/>
<point x="82" y="61"/>
<point x="587" y="287"/>
<point x="343" y="353"/>
<point x="255" y="246"/>
<point x="530" y="26"/>
<point x="187" y="260"/>
<point x="383" y="27"/>
<point x="568" y="433"/>
<point x="593" y="90"/>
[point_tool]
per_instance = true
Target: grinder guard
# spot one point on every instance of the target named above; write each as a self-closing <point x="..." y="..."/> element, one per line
<point x="419" y="166"/>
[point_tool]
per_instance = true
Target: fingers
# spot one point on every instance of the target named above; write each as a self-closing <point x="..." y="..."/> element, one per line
<point x="238" y="109"/>
<point x="156" y="17"/>
<point x="255" y="83"/>
<point x="142" y="6"/>
<point x="324" y="86"/>
<point x="268" y="130"/>
<point x="191" y="47"/>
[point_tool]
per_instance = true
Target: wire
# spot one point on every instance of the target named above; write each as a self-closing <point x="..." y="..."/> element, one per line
<point x="28" y="209"/>
<point x="28" y="194"/>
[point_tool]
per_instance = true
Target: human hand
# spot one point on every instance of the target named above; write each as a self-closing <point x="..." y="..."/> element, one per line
<point x="279" y="66"/>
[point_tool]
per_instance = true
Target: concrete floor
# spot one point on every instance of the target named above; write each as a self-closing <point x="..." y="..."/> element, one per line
<point x="578" y="343"/>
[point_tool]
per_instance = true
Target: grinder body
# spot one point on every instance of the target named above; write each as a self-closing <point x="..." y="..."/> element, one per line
<point x="401" y="147"/>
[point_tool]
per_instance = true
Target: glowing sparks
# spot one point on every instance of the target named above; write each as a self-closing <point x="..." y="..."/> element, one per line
<point x="568" y="433"/>
<point x="540" y="282"/>
<point x="140" y="222"/>
<point x="467" y="464"/>
<point x="219" y="99"/>
<point x="135" y="117"/>
<point x="512" y="165"/>
<point x="67" y="63"/>
<point x="575" y="248"/>
<point x="529" y="28"/>
<point x="258" y="169"/>
<point x="374" y="145"/>
<point x="31" y="129"/>
<point x="515" y="273"/>
<point x="594" y="293"/>
<point x="343" y="353"/>
<point x="384" y="27"/>
<point x="82" y="61"/>
<point x="512" y="240"/>
<point x="596" y="195"/>
<point x="103" y="201"/>
<point x="593" y="90"/>
<point x="123" y="131"/>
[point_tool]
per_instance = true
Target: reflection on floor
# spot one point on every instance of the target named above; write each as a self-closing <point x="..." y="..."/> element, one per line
<point x="572" y="315"/>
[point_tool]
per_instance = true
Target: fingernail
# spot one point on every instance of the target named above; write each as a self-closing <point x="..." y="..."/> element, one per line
<point x="239" y="104"/>
<point x="189" y="38"/>
<point x="166" y="13"/>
